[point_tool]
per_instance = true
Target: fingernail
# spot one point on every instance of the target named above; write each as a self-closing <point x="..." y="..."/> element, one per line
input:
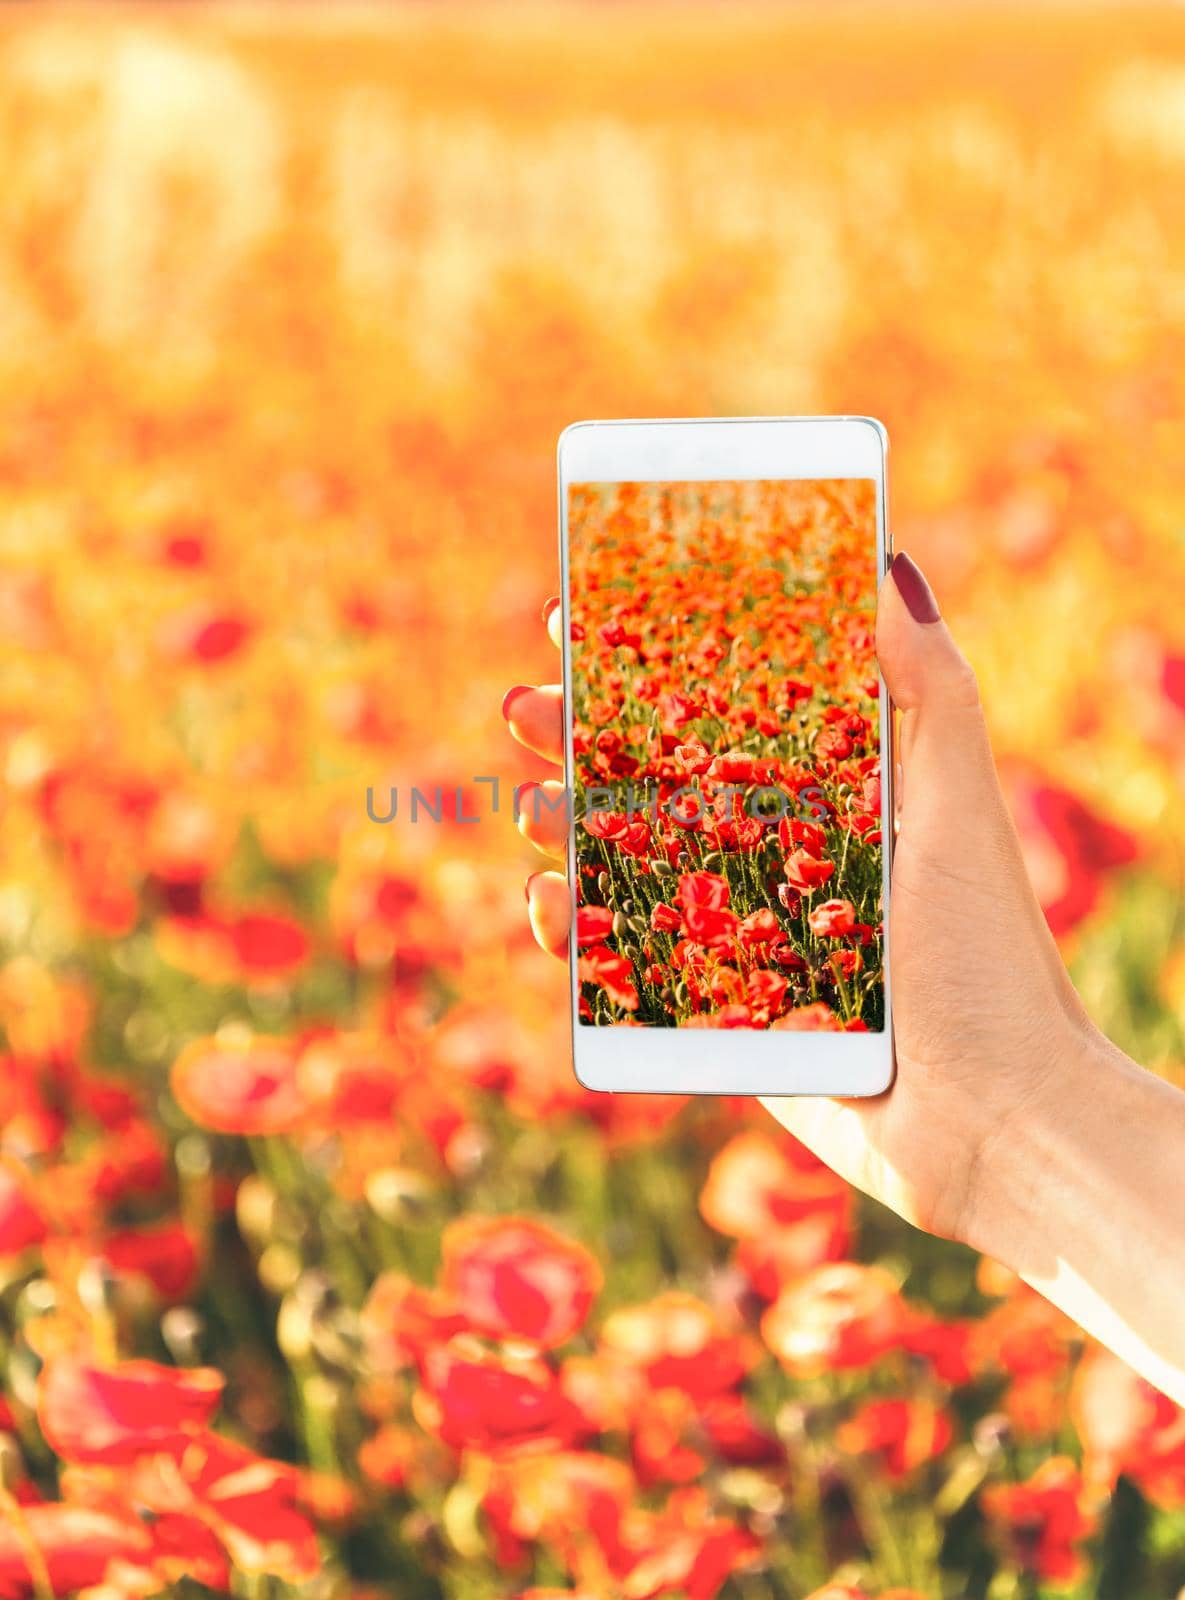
<point x="548" y="607"/>
<point x="511" y="696"/>
<point x="530" y="880"/>
<point x="914" y="590"/>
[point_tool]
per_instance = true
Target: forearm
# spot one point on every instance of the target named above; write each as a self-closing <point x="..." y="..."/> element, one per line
<point x="1084" y="1196"/>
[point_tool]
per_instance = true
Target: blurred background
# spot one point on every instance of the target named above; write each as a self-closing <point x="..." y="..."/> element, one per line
<point x="294" y="302"/>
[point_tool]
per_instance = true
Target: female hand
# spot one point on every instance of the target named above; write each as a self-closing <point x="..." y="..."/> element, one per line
<point x="1012" y="1124"/>
<point x="982" y="1007"/>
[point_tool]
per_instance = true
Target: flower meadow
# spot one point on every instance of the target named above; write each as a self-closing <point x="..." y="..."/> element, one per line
<point x="319" y="1273"/>
<point x="727" y="749"/>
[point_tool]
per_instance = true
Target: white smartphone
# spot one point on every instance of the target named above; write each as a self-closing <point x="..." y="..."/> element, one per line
<point x="729" y="756"/>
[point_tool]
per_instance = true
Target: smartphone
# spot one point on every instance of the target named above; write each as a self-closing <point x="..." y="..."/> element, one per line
<point x="728" y="755"/>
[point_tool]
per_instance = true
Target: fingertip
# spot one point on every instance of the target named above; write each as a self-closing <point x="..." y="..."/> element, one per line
<point x="536" y="720"/>
<point x="511" y="696"/>
<point x="541" y="815"/>
<point x="555" y="624"/>
<point x="915" y="592"/>
<point x="550" y="911"/>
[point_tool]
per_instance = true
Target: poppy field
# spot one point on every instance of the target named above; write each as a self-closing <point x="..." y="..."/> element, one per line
<point x="320" y="1275"/>
<point x="726" y="741"/>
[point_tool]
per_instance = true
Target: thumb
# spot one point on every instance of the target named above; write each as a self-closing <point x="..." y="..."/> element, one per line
<point x="923" y="667"/>
<point x="944" y="741"/>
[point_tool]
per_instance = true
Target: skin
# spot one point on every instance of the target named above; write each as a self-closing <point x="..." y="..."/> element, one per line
<point x="1012" y="1124"/>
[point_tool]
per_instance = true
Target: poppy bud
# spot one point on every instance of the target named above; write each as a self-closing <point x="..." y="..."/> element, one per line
<point x="96" y="1287"/>
<point x="620" y="924"/>
<point x="397" y="1194"/>
<point x="279" y="1268"/>
<point x="294" y="1328"/>
<point x="991" y="1434"/>
<point x="336" y="1339"/>
<point x="182" y="1328"/>
<point x="255" y="1209"/>
<point x="37" y="1299"/>
<point x="604" y="882"/>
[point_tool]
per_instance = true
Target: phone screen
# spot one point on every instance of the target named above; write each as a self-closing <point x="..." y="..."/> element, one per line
<point x="727" y="754"/>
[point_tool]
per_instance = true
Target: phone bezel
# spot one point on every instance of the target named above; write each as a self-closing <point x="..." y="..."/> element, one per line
<point x="732" y="1061"/>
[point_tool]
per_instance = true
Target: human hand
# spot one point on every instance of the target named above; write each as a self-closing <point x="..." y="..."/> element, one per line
<point x="985" y="1017"/>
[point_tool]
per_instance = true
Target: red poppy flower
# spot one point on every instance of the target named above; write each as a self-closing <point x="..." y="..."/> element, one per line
<point x="76" y="1544"/>
<point x="473" y="1400"/>
<point x="593" y="923"/>
<point x="709" y="927"/>
<point x="902" y="1434"/>
<point x="165" y="1256"/>
<point x="1042" y="1521"/>
<point x="512" y="1277"/>
<point x="756" y="1186"/>
<point x="267" y="944"/>
<point x="693" y="1554"/>
<point x="788" y="1253"/>
<point x="945" y="1345"/>
<point x="251" y="1504"/>
<point x="605" y="1388"/>
<point x="1069" y="851"/>
<point x="737" y="1436"/>
<point x="795" y="833"/>
<point x="766" y="993"/>
<point x="610" y="972"/>
<point x="659" y="1445"/>
<point x="805" y="871"/>
<point x="706" y="891"/>
<point x="679" y="1342"/>
<point x="833" y="744"/>
<point x="735" y="767"/>
<point x="610" y="825"/>
<point x="1127" y="1426"/>
<point x="400" y="1321"/>
<point x="21" y="1222"/>
<point x="817" y="1018"/>
<point x="247" y="1086"/>
<point x="113" y="1415"/>
<point x="839" y="1316"/>
<point x="664" y="919"/>
<point x="761" y="927"/>
<point x="833" y="919"/>
<point x="694" y="758"/>
<point x="572" y="1502"/>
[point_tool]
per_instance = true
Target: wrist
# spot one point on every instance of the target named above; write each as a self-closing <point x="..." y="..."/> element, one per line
<point x="1036" y="1147"/>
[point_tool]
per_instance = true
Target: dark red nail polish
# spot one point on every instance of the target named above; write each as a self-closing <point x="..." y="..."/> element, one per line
<point x="548" y="607"/>
<point x="914" y="590"/>
<point x="511" y="696"/>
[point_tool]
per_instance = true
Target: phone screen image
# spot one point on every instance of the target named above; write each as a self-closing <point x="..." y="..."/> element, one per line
<point x="726" y="743"/>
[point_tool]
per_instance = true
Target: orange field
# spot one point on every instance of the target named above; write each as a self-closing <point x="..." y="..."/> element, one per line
<point x="319" y="1274"/>
<point x="727" y="747"/>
